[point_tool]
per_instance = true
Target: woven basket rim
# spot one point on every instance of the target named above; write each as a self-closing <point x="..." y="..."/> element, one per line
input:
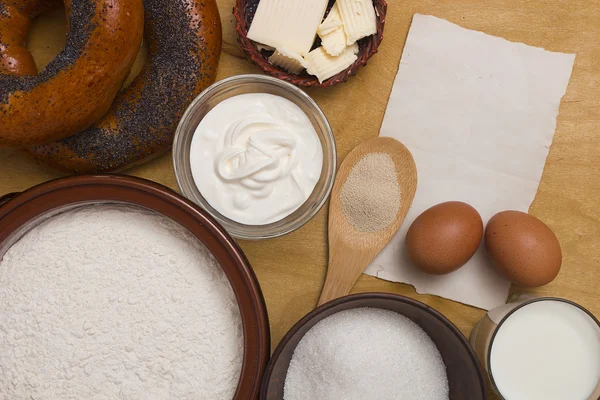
<point x="368" y="47"/>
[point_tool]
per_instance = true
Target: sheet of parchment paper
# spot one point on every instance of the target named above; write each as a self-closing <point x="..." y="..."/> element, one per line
<point x="478" y="114"/>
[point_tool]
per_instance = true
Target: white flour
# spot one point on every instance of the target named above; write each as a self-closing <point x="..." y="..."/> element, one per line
<point x="111" y="302"/>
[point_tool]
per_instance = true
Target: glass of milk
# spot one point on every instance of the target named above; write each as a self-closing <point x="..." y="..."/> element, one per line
<point x="540" y="348"/>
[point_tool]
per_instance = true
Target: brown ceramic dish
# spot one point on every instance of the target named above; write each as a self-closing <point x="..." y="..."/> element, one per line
<point x="244" y="13"/>
<point x="19" y="213"/>
<point x="465" y="375"/>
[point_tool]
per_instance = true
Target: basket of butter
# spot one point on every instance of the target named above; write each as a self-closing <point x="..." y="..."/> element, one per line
<point x="310" y="42"/>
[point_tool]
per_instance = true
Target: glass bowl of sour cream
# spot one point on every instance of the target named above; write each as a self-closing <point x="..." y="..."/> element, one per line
<point x="257" y="153"/>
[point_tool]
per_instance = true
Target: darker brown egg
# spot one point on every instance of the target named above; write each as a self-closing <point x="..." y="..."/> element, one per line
<point x="523" y="248"/>
<point x="444" y="237"/>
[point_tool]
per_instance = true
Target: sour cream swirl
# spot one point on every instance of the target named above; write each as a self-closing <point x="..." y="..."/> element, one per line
<point x="256" y="158"/>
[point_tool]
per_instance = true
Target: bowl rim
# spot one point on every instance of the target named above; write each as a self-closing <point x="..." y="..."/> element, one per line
<point x="513" y="311"/>
<point x="352" y="298"/>
<point x="178" y="147"/>
<point x="17" y="211"/>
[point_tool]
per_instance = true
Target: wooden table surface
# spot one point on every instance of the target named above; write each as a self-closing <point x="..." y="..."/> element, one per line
<point x="291" y="269"/>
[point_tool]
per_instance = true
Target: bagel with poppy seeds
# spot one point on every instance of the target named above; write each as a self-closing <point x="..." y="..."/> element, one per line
<point x="184" y="48"/>
<point x="76" y="88"/>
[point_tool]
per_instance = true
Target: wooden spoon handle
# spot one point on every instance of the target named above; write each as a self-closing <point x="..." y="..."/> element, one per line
<point x="345" y="267"/>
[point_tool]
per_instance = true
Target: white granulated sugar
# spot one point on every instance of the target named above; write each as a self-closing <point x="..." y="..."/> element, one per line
<point x="366" y="354"/>
<point x="113" y="302"/>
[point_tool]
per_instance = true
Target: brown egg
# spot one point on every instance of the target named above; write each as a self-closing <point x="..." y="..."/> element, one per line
<point x="523" y="248"/>
<point x="444" y="237"/>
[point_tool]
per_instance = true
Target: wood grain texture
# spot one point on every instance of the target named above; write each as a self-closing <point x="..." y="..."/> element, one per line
<point x="351" y="251"/>
<point x="291" y="269"/>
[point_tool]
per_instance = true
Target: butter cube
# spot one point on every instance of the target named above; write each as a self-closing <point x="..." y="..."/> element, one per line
<point x="359" y="19"/>
<point x="332" y="34"/>
<point x="291" y="24"/>
<point x="288" y="60"/>
<point x="332" y="22"/>
<point x="324" y="66"/>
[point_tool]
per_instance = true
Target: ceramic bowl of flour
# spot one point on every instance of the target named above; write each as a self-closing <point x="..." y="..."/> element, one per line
<point x="373" y="346"/>
<point x="116" y="286"/>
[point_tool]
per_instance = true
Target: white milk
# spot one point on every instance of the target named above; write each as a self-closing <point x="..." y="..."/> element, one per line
<point x="547" y="350"/>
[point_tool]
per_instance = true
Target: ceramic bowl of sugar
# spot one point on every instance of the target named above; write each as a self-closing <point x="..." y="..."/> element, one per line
<point x="374" y="346"/>
<point x="117" y="287"/>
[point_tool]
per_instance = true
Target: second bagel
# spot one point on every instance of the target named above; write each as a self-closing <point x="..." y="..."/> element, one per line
<point x="185" y="46"/>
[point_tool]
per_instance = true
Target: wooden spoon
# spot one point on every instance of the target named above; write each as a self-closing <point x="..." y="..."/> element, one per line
<point x="351" y="251"/>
